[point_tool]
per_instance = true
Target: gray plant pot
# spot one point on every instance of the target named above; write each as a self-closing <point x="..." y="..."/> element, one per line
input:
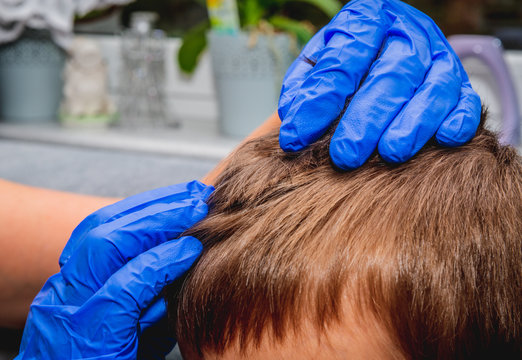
<point x="248" y="78"/>
<point x="31" y="78"/>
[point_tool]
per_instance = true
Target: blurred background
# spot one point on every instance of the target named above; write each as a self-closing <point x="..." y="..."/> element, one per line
<point x="115" y="97"/>
<point x="453" y="17"/>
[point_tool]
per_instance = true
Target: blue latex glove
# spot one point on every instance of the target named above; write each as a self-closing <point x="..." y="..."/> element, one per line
<point x="414" y="86"/>
<point x="113" y="269"/>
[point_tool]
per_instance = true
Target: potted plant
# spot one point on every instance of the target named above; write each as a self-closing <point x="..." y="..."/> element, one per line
<point x="249" y="65"/>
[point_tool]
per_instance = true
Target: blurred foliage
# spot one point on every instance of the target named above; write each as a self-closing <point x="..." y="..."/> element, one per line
<point x="266" y="16"/>
<point x="188" y="18"/>
<point x="453" y="16"/>
<point x="193" y="45"/>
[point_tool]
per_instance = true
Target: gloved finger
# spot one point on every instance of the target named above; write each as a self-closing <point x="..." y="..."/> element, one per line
<point x="168" y="194"/>
<point x="37" y="319"/>
<point x="47" y="326"/>
<point x="154" y="313"/>
<point x="390" y="84"/>
<point x="110" y="246"/>
<point x="417" y="123"/>
<point x="299" y="71"/>
<point x="118" y="304"/>
<point x="460" y="125"/>
<point x="352" y="43"/>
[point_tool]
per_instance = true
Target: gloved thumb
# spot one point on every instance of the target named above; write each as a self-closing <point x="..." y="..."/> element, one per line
<point x="136" y="286"/>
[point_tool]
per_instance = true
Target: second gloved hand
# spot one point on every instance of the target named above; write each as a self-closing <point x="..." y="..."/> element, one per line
<point x="413" y="86"/>
<point x="113" y="269"/>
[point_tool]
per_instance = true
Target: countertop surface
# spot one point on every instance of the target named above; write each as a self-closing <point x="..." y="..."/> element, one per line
<point x="108" y="162"/>
<point x="103" y="172"/>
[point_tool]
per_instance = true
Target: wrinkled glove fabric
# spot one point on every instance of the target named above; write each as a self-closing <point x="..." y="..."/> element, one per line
<point x="113" y="269"/>
<point x="405" y="85"/>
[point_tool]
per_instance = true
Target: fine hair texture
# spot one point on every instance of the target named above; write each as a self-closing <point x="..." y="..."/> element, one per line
<point x="431" y="249"/>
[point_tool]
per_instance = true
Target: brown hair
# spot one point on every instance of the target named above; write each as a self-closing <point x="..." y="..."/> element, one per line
<point x="430" y="248"/>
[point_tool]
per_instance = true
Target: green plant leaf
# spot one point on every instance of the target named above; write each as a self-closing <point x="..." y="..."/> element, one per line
<point x="253" y="12"/>
<point x="329" y="7"/>
<point x="192" y="46"/>
<point x="301" y="30"/>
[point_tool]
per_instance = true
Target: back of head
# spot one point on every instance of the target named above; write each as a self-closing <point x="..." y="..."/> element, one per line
<point x="423" y="258"/>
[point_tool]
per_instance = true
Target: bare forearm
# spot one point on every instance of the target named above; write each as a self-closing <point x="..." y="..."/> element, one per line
<point x="34" y="227"/>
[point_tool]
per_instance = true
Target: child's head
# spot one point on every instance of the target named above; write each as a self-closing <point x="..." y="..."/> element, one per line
<point x="420" y="260"/>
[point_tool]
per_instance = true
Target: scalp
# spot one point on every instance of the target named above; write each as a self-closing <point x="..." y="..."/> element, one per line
<point x="431" y="250"/>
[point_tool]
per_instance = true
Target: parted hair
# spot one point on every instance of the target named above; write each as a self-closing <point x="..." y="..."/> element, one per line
<point x="430" y="248"/>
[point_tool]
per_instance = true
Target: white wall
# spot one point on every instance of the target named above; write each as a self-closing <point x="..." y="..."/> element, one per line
<point x="485" y="85"/>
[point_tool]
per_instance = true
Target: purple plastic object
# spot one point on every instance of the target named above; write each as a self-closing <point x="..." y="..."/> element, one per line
<point x="489" y="50"/>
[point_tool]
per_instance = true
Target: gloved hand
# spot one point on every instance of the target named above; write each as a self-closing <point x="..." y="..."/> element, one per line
<point x="113" y="269"/>
<point x="413" y="86"/>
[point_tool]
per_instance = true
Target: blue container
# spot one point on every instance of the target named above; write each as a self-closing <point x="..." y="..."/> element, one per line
<point x="31" y="78"/>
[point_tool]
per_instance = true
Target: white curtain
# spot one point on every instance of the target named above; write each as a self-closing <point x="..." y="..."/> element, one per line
<point x="57" y="16"/>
